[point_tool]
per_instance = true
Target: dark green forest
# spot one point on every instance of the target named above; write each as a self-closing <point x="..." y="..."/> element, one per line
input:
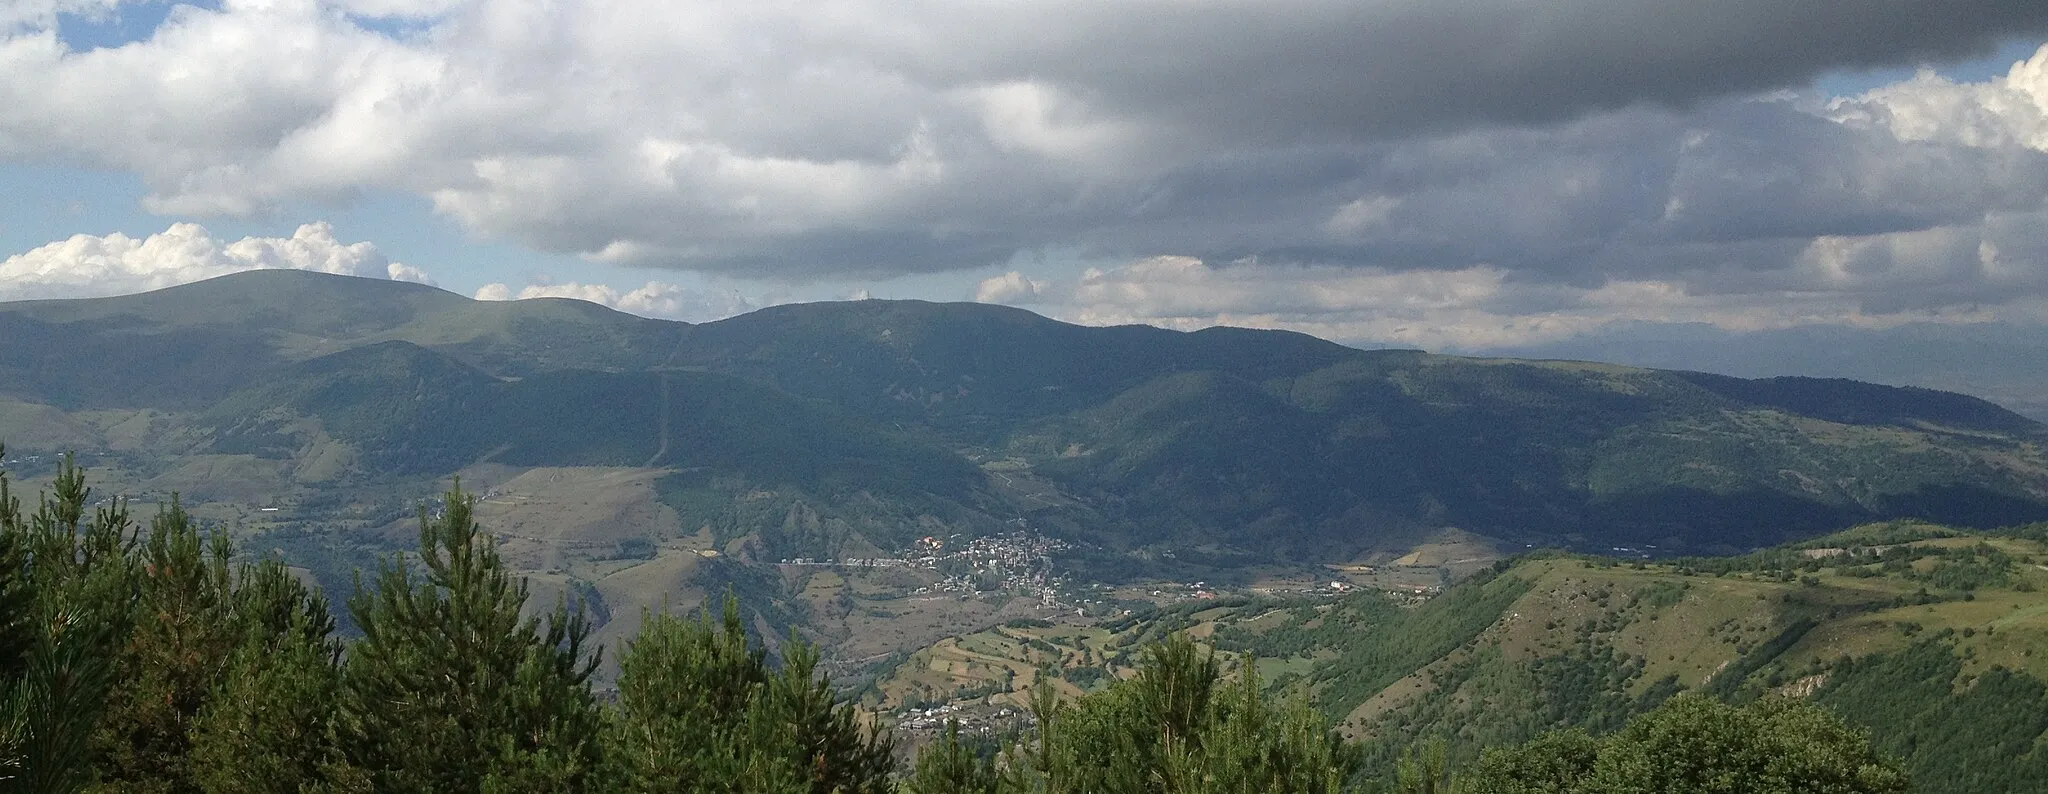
<point x="151" y="657"/>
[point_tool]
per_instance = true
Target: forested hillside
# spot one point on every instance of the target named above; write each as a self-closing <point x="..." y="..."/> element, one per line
<point x="157" y="658"/>
<point x="304" y="387"/>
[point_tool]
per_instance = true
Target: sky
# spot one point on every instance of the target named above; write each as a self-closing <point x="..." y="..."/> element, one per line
<point x="1446" y="174"/>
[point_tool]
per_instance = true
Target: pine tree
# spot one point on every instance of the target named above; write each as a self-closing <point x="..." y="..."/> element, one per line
<point x="450" y="690"/>
<point x="700" y="709"/>
<point x="17" y="601"/>
<point x="82" y="582"/>
<point x="1425" y="769"/>
<point x="1173" y="687"/>
<point x="825" y="738"/>
<point x="17" y="629"/>
<point x="950" y="767"/>
<point x="683" y="686"/>
<point x="177" y="653"/>
<point x="269" y="724"/>
<point x="1253" y="745"/>
<point x="1171" y="730"/>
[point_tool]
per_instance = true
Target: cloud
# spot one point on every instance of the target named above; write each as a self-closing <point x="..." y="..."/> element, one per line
<point x="88" y="266"/>
<point x="1012" y="287"/>
<point x="1925" y="200"/>
<point x="828" y="139"/>
<point x="1476" y="308"/>
<point x="654" y="299"/>
<point x="1464" y="173"/>
<point x="2008" y="111"/>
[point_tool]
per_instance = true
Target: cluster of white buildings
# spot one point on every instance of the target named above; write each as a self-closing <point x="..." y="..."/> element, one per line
<point x="850" y="562"/>
<point x="1018" y="562"/>
<point x="972" y="720"/>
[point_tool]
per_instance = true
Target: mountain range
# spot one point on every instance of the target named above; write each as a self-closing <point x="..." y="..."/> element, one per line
<point x="884" y="421"/>
<point x="2006" y="363"/>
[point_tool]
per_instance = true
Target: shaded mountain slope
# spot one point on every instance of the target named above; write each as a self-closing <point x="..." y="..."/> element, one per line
<point x="408" y="410"/>
<point x="1541" y="452"/>
<point x="404" y="409"/>
<point x="975" y="367"/>
<point x="1256" y="443"/>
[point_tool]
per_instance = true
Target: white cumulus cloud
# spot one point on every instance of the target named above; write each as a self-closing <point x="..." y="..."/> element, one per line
<point x="2008" y="110"/>
<point x="116" y="264"/>
<point x="655" y="299"/>
<point x="1012" y="287"/>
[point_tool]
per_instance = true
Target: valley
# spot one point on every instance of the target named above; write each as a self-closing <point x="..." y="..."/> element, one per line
<point x="963" y="505"/>
<point x="1027" y="397"/>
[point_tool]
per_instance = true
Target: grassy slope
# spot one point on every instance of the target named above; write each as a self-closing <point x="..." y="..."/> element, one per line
<point x="1900" y="645"/>
<point x="1590" y="643"/>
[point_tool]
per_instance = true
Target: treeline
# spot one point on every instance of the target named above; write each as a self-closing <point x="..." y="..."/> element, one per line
<point x="153" y="659"/>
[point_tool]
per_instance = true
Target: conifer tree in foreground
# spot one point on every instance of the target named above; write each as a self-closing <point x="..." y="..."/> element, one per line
<point x="176" y="652"/>
<point x="1178" y="729"/>
<point x="450" y="689"/>
<point x="700" y="710"/>
<point x="72" y="581"/>
<point x="950" y="767"/>
<point x="17" y="631"/>
<point x="269" y="725"/>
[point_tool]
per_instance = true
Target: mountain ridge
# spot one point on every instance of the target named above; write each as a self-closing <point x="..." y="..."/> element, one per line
<point x="1267" y="443"/>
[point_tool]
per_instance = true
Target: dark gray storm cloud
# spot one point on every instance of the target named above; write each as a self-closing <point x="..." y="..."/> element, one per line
<point x="1283" y="72"/>
<point x="1733" y="187"/>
